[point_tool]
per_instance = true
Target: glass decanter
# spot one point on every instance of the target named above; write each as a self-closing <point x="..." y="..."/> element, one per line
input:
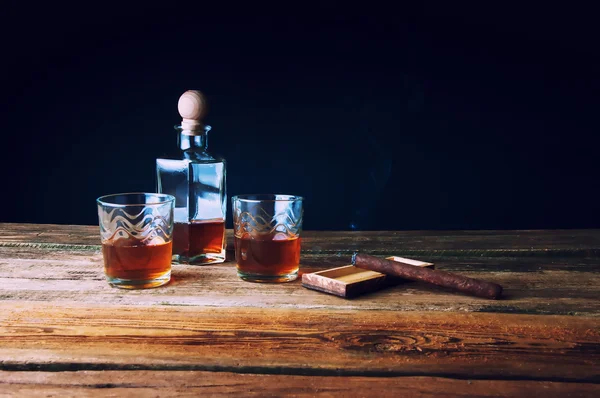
<point x="197" y="180"/>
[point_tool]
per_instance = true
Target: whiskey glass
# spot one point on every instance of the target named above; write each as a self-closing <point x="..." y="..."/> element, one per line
<point x="136" y="230"/>
<point x="267" y="231"/>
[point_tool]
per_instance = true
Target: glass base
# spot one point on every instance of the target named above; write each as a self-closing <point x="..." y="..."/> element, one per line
<point x="268" y="278"/>
<point x="139" y="284"/>
<point x="202" y="259"/>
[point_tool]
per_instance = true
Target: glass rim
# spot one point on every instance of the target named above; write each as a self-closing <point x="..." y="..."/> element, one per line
<point x="266" y="197"/>
<point x="163" y="199"/>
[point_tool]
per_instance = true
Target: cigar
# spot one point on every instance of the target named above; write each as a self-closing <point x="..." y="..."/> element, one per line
<point x="461" y="283"/>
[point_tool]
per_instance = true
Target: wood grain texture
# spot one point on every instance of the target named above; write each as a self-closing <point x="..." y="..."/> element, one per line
<point x="227" y="384"/>
<point x="425" y="243"/>
<point x="65" y="331"/>
<point x="532" y="285"/>
<point x="302" y="342"/>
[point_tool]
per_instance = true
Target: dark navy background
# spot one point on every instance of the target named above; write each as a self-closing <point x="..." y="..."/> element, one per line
<point x="439" y="118"/>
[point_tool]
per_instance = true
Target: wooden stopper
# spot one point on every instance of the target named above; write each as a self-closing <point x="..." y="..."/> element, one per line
<point x="461" y="283"/>
<point x="192" y="108"/>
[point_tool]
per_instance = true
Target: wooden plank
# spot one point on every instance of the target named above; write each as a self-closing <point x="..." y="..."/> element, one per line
<point x="428" y="243"/>
<point x="47" y="337"/>
<point x="198" y="383"/>
<point x="567" y="286"/>
<point x="50" y="233"/>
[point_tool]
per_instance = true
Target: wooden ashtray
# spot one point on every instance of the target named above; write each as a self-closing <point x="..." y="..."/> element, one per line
<point x="350" y="281"/>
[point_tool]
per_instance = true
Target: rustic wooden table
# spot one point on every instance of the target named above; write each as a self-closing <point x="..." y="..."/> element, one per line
<point x="65" y="331"/>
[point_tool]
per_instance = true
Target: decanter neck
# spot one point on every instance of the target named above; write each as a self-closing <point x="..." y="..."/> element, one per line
<point x="193" y="139"/>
